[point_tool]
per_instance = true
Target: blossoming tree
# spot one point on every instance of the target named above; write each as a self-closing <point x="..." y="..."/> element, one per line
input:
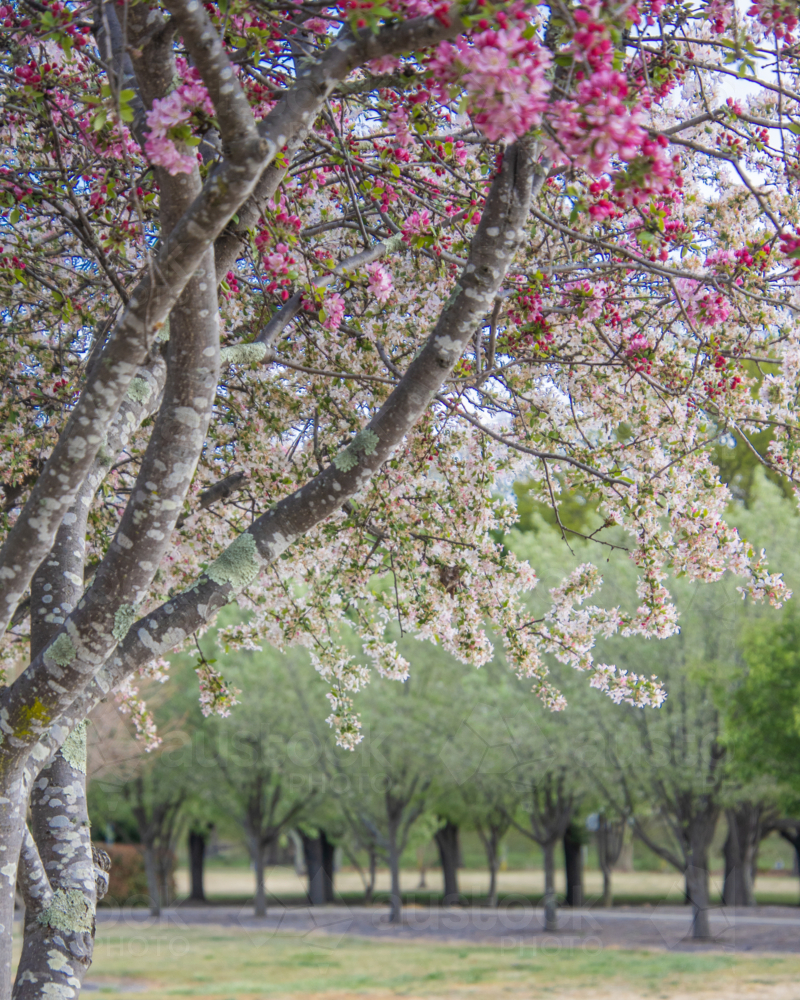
<point x="291" y="288"/>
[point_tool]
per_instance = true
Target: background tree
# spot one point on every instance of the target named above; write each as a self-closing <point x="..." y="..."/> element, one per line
<point x="261" y="764"/>
<point x="610" y="837"/>
<point x="152" y="790"/>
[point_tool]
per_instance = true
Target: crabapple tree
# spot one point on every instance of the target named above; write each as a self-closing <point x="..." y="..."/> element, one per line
<point x="291" y="288"/>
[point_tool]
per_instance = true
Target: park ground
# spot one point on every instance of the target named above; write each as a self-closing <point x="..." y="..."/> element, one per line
<point x="640" y="949"/>
<point x="214" y="963"/>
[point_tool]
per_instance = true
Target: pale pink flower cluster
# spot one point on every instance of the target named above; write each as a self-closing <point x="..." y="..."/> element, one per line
<point x="504" y="75"/>
<point x="279" y="260"/>
<point x="585" y="298"/>
<point x="344" y="675"/>
<point x="170" y="113"/>
<point x="763" y="586"/>
<point x="703" y="305"/>
<point x="656" y="617"/>
<point x="386" y="659"/>
<point x="127" y="697"/>
<point x="622" y="686"/>
<point x="380" y="281"/>
<point x="215" y="696"/>
<point x="385" y="64"/>
<point x="334" y="311"/>
<point x="398" y="121"/>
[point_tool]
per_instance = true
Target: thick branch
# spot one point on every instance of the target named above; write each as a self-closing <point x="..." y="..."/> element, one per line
<point x="494" y="245"/>
<point x="31" y="877"/>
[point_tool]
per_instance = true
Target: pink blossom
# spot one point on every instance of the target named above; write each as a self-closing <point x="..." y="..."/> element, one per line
<point x="703" y="305"/>
<point x="777" y="16"/>
<point x="398" y="120"/>
<point x="168" y="114"/>
<point x="380" y="281"/>
<point x="386" y="64"/>
<point x="720" y="14"/>
<point x="504" y="76"/>
<point x="597" y="125"/>
<point x="637" y="343"/>
<point x="417" y="224"/>
<point x="334" y="311"/>
<point x="317" y="24"/>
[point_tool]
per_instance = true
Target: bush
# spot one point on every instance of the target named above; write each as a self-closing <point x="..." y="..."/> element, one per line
<point x="126" y="878"/>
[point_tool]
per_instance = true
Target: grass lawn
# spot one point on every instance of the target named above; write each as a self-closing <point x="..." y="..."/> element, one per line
<point x="218" y="964"/>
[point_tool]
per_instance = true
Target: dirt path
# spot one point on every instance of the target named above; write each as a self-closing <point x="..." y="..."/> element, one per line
<point x="757" y="929"/>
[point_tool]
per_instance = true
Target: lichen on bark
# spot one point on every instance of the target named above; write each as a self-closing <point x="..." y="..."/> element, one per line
<point x="73" y="749"/>
<point x="237" y="565"/>
<point x="61" y="652"/>
<point x="69" y="911"/>
<point x="139" y="390"/>
<point x="365" y="441"/>
<point x="242" y="354"/>
<point x="124" y="617"/>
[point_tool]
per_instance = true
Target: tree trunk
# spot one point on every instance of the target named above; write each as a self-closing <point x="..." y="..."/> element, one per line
<point x="151" y="874"/>
<point x="793" y="837"/>
<point x="11" y="827"/>
<point x="610" y="842"/>
<point x="257" y="854"/>
<point x="369" y="892"/>
<point x="166" y="863"/>
<point x="447" y="842"/>
<point x="56" y="955"/>
<point x="550" y="902"/>
<point x="395" y="900"/>
<point x="328" y="857"/>
<point x="741" y="847"/>
<point x="701" y="833"/>
<point x="422" y="868"/>
<point x="491" y="844"/>
<point x="608" y="892"/>
<point x="197" y="855"/>
<point x="312" y="852"/>
<point x="697" y="889"/>
<point x="573" y="865"/>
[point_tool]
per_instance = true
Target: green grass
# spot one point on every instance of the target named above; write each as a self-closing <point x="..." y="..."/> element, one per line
<point x="222" y="964"/>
